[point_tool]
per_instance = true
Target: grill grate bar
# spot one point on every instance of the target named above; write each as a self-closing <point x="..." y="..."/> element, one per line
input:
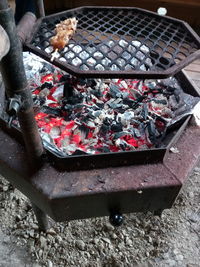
<point x="119" y="41"/>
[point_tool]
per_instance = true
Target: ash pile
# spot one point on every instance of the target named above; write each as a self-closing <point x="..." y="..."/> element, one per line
<point x="92" y="116"/>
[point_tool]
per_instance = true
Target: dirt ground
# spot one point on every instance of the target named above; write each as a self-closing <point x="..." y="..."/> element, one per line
<point x="143" y="240"/>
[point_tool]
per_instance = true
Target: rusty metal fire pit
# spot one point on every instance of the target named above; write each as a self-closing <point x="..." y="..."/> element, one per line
<point x="150" y="185"/>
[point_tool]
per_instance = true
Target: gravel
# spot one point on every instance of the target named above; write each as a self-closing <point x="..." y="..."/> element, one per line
<point x="143" y="239"/>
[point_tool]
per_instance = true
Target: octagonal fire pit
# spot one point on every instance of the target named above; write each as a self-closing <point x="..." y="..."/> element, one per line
<point x="109" y="42"/>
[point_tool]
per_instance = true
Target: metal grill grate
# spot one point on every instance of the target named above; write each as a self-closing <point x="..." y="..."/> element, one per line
<point x="119" y="42"/>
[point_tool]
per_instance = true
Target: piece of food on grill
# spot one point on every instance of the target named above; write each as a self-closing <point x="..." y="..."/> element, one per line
<point x="64" y="31"/>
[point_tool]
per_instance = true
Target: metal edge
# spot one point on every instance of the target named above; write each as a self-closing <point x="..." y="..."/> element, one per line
<point x="192" y="32"/>
<point x="179" y="132"/>
<point x="105" y="160"/>
<point x="182" y="64"/>
<point x="190" y="86"/>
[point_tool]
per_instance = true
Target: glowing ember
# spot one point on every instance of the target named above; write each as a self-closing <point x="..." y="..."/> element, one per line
<point x="97" y="116"/>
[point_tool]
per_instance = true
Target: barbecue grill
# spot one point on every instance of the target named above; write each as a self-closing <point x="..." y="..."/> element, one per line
<point x="106" y="45"/>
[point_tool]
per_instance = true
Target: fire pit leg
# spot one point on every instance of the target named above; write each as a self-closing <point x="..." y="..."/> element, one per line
<point x="41" y="217"/>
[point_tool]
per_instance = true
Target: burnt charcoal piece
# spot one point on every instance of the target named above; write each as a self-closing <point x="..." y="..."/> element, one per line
<point x="120" y="134"/>
<point x="91" y="83"/>
<point x="96" y="93"/>
<point x="46" y="85"/>
<point x="52" y="111"/>
<point x="81" y="81"/>
<point x="106" y="121"/>
<point x="100" y="105"/>
<point x="136" y="133"/>
<point x="177" y="95"/>
<point x="67" y="107"/>
<point x="91" y="116"/>
<point x="84" y="129"/>
<point x="65" y="78"/>
<point x="105" y="126"/>
<point x="170" y="89"/>
<point x="47" y="68"/>
<point x="68" y="90"/>
<point x="129" y="102"/>
<point x="38" y="100"/>
<point x="79" y="152"/>
<point x="115" y="91"/>
<point x="103" y="149"/>
<point x="75" y="99"/>
<point x="116" y="127"/>
<point x="152" y="131"/>
<point x="159" y="101"/>
<point x="145" y="111"/>
<point x="140" y="98"/>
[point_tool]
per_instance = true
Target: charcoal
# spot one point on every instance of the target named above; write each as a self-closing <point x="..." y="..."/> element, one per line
<point x="47" y="68"/>
<point x="67" y="107"/>
<point x="44" y="93"/>
<point x="90" y="124"/>
<point x="140" y="98"/>
<point x="106" y="121"/>
<point x="107" y="115"/>
<point x="103" y="149"/>
<point x="123" y="145"/>
<point x="177" y="95"/>
<point x="152" y="131"/>
<point x="47" y="85"/>
<point x="140" y="85"/>
<point x="145" y="111"/>
<point x="78" y="106"/>
<point x="118" y="135"/>
<point x="136" y="122"/>
<point x="97" y="113"/>
<point x="159" y="101"/>
<point x="113" y="105"/>
<point x="116" y="127"/>
<point x="115" y="91"/>
<point x="100" y="105"/>
<point x="78" y="152"/>
<point x="84" y="129"/>
<point x="39" y="101"/>
<point x="81" y="81"/>
<point x="136" y="94"/>
<point x="129" y="102"/>
<point x="68" y="90"/>
<point x="173" y="102"/>
<point x="152" y="85"/>
<point x="90" y="115"/>
<point x="91" y="83"/>
<point x="104" y="128"/>
<point x="52" y="111"/>
<point x="96" y="93"/>
<point x="75" y="99"/>
<point x="136" y="133"/>
<point x="65" y="78"/>
<point x="170" y="89"/>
